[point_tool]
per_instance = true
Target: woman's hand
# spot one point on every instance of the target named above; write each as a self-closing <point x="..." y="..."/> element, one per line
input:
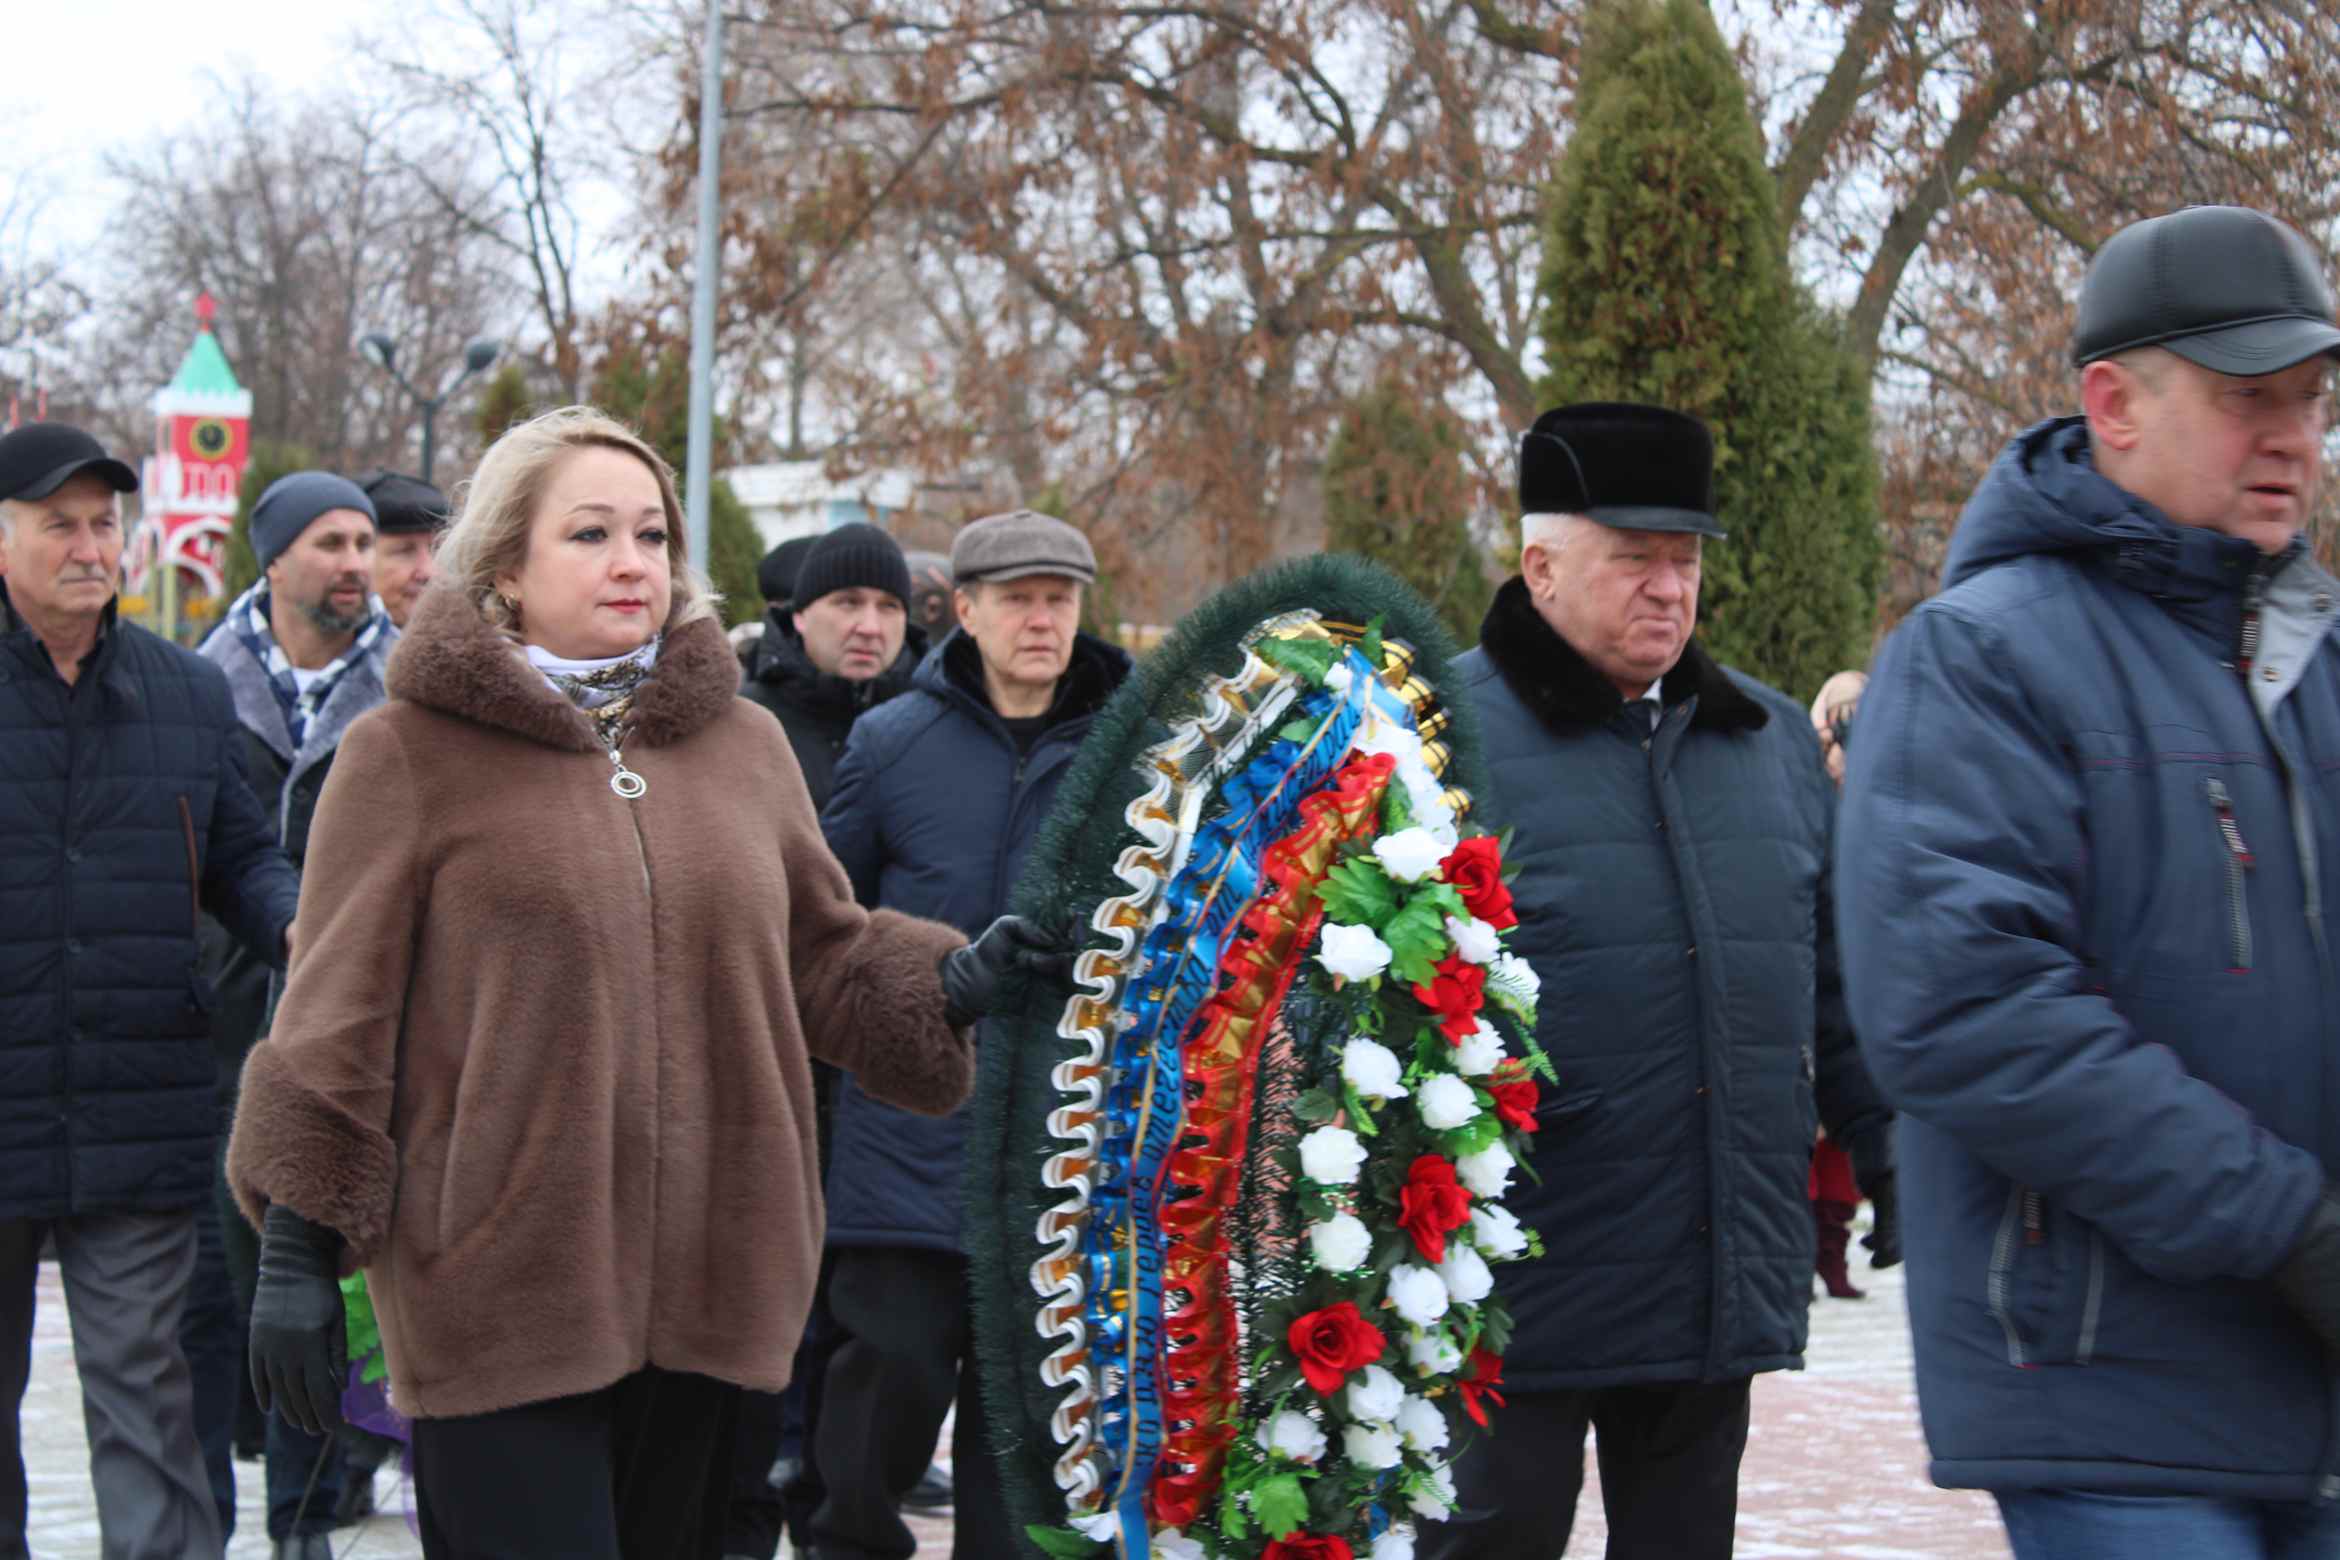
<point x="300" y="1339"/>
<point x="971" y="975"/>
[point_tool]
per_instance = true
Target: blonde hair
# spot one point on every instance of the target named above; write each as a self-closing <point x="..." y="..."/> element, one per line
<point x="490" y="535"/>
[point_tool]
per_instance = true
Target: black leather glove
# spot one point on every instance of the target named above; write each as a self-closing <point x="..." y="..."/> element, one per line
<point x="971" y="975"/>
<point x="1883" y="1242"/>
<point x="2309" y="1279"/>
<point x="300" y="1339"/>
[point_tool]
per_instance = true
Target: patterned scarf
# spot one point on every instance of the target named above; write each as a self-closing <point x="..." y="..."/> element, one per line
<point x="603" y="689"/>
<point x="248" y="616"/>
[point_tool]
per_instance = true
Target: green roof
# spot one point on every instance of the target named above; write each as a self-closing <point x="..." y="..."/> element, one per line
<point x="205" y="369"/>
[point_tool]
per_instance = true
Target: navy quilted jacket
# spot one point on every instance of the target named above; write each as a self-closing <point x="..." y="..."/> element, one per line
<point x="124" y="814"/>
<point x="1673" y="898"/>
<point x="2087" y="838"/>
<point x="933" y="815"/>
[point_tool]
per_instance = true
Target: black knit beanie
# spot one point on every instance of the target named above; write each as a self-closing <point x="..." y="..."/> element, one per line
<point x="776" y="574"/>
<point x="850" y="557"/>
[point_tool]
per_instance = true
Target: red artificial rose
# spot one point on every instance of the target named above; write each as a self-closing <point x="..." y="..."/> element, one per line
<point x="1515" y="1101"/>
<point x="1476" y="871"/>
<point x="1431" y="1203"/>
<point x="1479" y="1381"/>
<point x="1307" y="1546"/>
<point x="1455" y="994"/>
<point x="1333" y="1342"/>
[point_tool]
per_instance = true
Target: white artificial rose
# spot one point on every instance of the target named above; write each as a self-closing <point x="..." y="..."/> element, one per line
<point x="1375" y="1395"/>
<point x="1101" y="1525"/>
<point x="1514" y="973"/>
<point x="1417" y="1294"/>
<point x="1396" y="1544"/>
<point x="1474" y="939"/>
<point x="1487" y="1173"/>
<point x="1292" y="1434"/>
<point x="1341" y="1243"/>
<point x="1175" y="1545"/>
<point x="1339" y="679"/>
<point x="1372" y="1069"/>
<point x="1433" y="1353"/>
<point x="1352" y="952"/>
<point x="1497" y="1231"/>
<point x="1466" y="1274"/>
<point x="1479" y="1052"/>
<point x="1371" y="1446"/>
<point x="1422" y="1425"/>
<point x="1447" y="1102"/>
<point x="1409" y="855"/>
<point x="1436" y="1498"/>
<point x="1380" y="734"/>
<point x="1330" y="1156"/>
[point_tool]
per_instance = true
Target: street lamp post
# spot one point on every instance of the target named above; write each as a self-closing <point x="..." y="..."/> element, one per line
<point x="382" y="352"/>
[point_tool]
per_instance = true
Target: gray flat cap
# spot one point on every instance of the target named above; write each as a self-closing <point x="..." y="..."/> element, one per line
<point x="1019" y="543"/>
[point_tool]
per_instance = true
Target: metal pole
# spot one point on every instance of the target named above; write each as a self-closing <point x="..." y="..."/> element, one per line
<point x="430" y="411"/>
<point x="700" y="453"/>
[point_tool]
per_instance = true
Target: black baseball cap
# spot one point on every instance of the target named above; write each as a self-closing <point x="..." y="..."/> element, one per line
<point x="404" y="505"/>
<point x="2223" y="286"/>
<point x="39" y="458"/>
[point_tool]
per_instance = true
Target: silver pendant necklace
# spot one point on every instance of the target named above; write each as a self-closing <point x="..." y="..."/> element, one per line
<point x="625" y="782"/>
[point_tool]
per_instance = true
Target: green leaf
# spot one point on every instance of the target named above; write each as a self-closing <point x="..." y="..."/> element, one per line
<point x="1397" y="808"/>
<point x="1417" y="940"/>
<point x="1307" y="659"/>
<point x="1496" y="1328"/>
<point x="1281" y="1505"/>
<point x="1360" y="1119"/>
<point x="1359" y="893"/>
<point x="1298" y="730"/>
<point x="1316" y="1105"/>
<point x="1063" y="1543"/>
<point x="1371" y="646"/>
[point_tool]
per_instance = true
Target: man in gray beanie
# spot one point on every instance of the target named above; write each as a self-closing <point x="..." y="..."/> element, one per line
<point x="304" y="651"/>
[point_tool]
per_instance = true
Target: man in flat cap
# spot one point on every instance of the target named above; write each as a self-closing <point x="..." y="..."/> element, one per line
<point x="2091" y="823"/>
<point x="305" y="651"/>
<point x="938" y="799"/>
<point x="1673" y="821"/>
<point x="124" y="815"/>
<point x="409" y="516"/>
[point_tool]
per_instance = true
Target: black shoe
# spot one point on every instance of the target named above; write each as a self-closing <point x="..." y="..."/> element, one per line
<point x="356" y="1501"/>
<point x="932" y="1492"/>
<point x="304" y="1546"/>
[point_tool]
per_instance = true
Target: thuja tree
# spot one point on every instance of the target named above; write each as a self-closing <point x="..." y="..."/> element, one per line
<point x="1395" y="491"/>
<point x="1666" y="280"/>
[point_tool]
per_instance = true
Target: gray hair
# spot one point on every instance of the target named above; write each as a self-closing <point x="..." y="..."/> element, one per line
<point x="1554" y="531"/>
<point x="490" y="535"/>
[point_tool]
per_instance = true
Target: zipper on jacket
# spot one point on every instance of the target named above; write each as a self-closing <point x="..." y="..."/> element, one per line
<point x="2034" y="1232"/>
<point x="194" y="868"/>
<point x="2239" y="861"/>
<point x="2094" y="1306"/>
<point x="2002" y="1263"/>
<point x="2247" y="650"/>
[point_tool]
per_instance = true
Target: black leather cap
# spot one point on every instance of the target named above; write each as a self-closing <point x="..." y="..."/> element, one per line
<point x="2227" y="287"/>
<point x="404" y="505"/>
<point x="1638" y="468"/>
<point x="39" y="458"/>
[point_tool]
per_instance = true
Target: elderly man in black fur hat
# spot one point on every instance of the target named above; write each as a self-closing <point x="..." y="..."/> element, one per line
<point x="1673" y="838"/>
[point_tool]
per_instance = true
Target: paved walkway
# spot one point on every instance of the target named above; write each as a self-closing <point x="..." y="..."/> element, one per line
<point x="1834" y="1464"/>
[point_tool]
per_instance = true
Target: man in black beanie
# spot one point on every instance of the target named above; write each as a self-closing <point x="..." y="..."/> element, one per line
<point x="836" y="643"/>
<point x="409" y="515"/>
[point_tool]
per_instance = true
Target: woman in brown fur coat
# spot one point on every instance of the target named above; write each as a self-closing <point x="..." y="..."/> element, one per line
<point x="568" y="937"/>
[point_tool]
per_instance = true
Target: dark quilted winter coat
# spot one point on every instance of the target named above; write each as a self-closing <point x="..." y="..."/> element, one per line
<point x="2088" y="839"/>
<point x="933" y="815"/>
<point x="1673" y="897"/>
<point x="124" y="815"/>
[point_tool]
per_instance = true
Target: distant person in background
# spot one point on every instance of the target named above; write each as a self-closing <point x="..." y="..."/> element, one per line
<point x="931" y="611"/>
<point x="409" y="514"/>
<point x="776" y="583"/>
<point x="124" y="815"/>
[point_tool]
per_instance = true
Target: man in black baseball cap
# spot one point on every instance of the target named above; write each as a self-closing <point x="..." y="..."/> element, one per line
<point x="123" y="809"/>
<point x="2084" y="852"/>
<point x="409" y="515"/>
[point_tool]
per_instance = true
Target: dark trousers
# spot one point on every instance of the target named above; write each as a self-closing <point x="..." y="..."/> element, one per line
<point x="1669" y="1475"/>
<point x="637" y="1471"/>
<point x="905" y="1353"/>
<point x="774" y="1425"/>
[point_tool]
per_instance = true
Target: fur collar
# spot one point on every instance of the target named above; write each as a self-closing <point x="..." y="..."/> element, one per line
<point x="1563" y="690"/>
<point x="450" y="659"/>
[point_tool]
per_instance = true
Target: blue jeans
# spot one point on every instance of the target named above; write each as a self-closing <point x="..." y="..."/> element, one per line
<point x="2076" y="1525"/>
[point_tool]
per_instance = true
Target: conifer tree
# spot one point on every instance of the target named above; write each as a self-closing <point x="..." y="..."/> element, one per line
<point x="1666" y="280"/>
<point x="1395" y="491"/>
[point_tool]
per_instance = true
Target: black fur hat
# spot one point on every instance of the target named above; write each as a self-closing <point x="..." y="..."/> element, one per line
<point x="1638" y="468"/>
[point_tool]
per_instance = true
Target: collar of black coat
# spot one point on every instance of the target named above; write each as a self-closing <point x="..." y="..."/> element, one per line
<point x="955" y="669"/>
<point x="102" y="659"/>
<point x="451" y="659"/>
<point x="1564" y="690"/>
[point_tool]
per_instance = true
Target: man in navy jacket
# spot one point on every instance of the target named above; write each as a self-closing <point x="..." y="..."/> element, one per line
<point x="124" y="815"/>
<point x="2091" y="818"/>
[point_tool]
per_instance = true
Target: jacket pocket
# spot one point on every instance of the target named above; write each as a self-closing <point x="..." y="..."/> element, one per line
<point x="2238" y="863"/>
<point x="2046" y="1282"/>
<point x="194" y="868"/>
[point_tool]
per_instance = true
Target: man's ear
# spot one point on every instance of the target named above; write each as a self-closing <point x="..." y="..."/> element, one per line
<point x="962" y="603"/>
<point x="1539" y="565"/>
<point x="2114" y="396"/>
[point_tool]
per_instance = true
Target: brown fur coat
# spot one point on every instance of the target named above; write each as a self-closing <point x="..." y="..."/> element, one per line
<point x="542" y="1056"/>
